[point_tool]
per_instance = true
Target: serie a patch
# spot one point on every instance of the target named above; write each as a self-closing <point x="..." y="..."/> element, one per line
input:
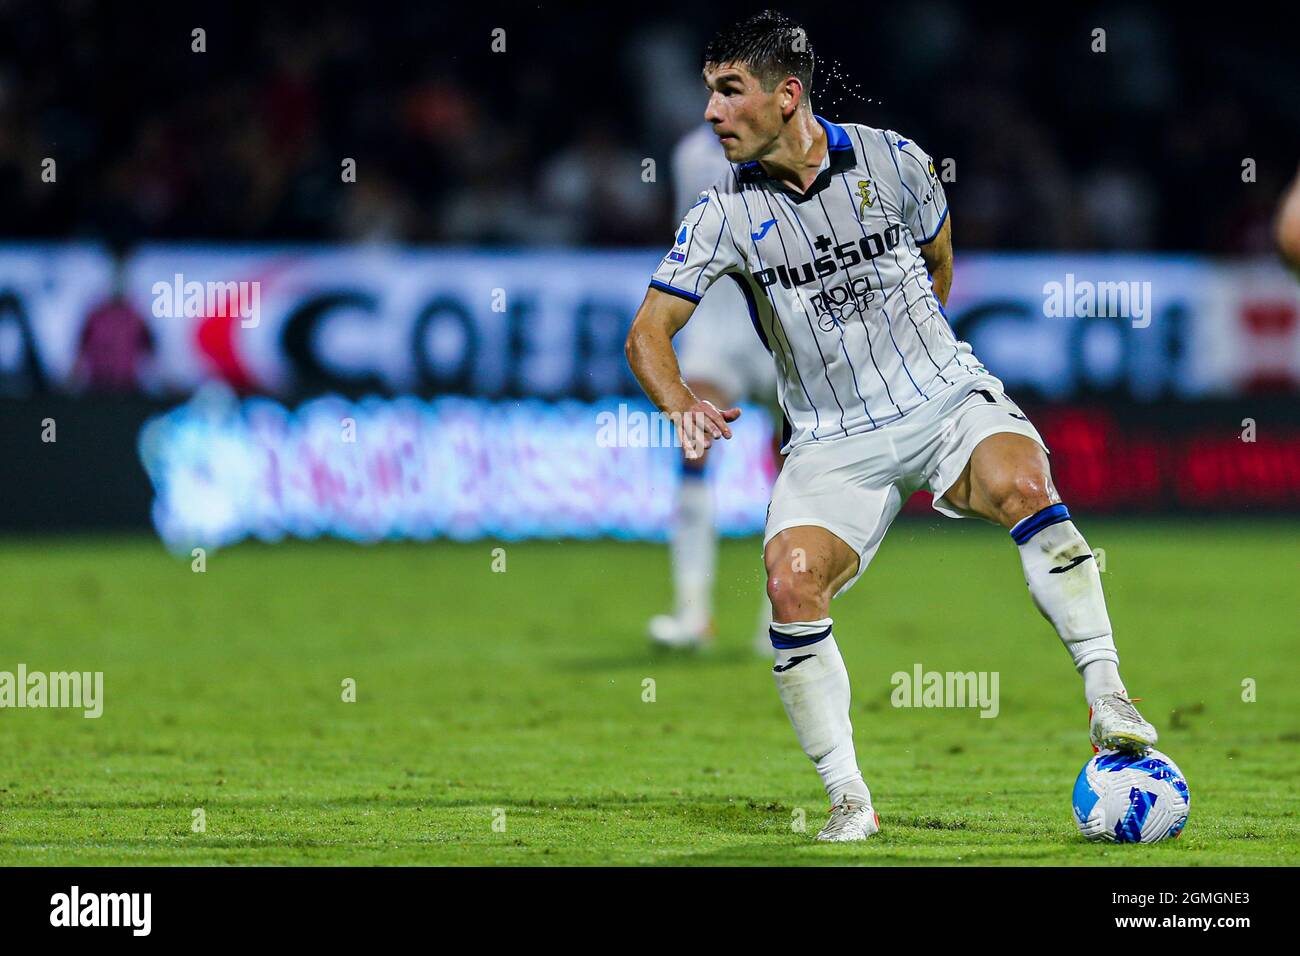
<point x="683" y="241"/>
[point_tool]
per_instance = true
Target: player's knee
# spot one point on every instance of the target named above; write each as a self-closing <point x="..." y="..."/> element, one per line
<point x="1024" y="494"/>
<point x="795" y="595"/>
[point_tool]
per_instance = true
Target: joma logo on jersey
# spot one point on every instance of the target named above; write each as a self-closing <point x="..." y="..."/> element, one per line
<point x="844" y="256"/>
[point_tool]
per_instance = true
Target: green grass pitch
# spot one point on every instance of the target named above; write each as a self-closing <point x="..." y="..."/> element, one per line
<point x="500" y="717"/>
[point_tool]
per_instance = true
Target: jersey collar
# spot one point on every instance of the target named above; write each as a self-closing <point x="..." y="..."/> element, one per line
<point x="839" y="153"/>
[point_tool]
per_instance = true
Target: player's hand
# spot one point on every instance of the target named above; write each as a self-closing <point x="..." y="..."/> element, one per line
<point x="701" y="424"/>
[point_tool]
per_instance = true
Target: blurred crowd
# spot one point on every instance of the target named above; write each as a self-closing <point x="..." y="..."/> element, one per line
<point x="1054" y="145"/>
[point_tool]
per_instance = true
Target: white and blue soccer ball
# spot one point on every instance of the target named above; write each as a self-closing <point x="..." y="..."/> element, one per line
<point x="1131" y="797"/>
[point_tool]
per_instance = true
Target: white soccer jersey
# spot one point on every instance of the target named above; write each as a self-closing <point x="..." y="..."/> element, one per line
<point x="834" y="280"/>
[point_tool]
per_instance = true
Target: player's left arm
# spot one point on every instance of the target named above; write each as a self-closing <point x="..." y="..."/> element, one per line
<point x="923" y="205"/>
<point x="938" y="259"/>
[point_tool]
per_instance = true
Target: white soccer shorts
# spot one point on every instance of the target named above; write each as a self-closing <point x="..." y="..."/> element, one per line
<point x="855" y="486"/>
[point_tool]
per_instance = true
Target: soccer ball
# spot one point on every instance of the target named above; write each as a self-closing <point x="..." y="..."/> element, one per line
<point x="1131" y="797"/>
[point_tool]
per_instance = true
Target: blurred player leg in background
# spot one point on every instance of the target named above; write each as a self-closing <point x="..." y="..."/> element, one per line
<point x="693" y="547"/>
<point x="722" y="360"/>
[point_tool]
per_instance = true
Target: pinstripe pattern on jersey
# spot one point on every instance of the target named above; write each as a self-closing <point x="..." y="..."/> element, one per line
<point x="862" y="317"/>
<point x="777" y="324"/>
<point x="826" y="372"/>
<point x="907" y="305"/>
<point x="806" y="272"/>
<point x="885" y="292"/>
<point x="716" y="242"/>
<point x="932" y="299"/>
<point x="853" y="371"/>
<point x="704" y="208"/>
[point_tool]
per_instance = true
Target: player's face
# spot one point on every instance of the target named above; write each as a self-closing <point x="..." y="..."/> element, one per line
<point x="745" y="117"/>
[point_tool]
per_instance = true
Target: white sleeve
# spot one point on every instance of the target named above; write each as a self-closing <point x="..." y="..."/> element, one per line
<point x="703" y="249"/>
<point x="922" y="199"/>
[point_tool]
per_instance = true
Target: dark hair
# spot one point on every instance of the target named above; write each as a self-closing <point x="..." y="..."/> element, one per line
<point x="770" y="44"/>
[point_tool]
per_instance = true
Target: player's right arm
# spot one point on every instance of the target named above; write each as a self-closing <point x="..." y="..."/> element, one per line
<point x="654" y="363"/>
<point x="703" y="250"/>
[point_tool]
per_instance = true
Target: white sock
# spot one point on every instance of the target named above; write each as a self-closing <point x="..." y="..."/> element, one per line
<point x="814" y="687"/>
<point x="1063" y="581"/>
<point x="1101" y="677"/>
<point x="694" y="550"/>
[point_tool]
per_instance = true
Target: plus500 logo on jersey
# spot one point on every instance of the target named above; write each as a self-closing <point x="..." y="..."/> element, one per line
<point x="837" y="302"/>
<point x="844" y="256"/>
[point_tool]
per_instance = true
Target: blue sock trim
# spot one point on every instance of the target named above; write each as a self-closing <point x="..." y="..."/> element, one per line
<point x="784" y="642"/>
<point x="1026" y="528"/>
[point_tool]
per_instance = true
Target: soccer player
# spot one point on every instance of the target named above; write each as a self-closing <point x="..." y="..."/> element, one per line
<point x="722" y="361"/>
<point x="842" y="242"/>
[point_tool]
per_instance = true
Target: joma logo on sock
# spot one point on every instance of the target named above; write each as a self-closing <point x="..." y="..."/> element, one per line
<point x="922" y="688"/>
